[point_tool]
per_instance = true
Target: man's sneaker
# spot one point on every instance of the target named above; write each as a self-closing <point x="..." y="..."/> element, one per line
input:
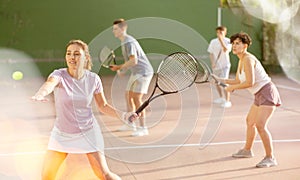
<point x="128" y="127"/>
<point x="219" y="101"/>
<point x="226" y="104"/>
<point x="141" y="131"/>
<point x="243" y="154"/>
<point x="267" y="162"/>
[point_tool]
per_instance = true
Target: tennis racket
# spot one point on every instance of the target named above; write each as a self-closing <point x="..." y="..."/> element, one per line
<point x="177" y="72"/>
<point x="205" y="75"/>
<point x="107" y="57"/>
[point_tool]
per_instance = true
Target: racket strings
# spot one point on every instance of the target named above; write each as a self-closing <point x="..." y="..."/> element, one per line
<point x="177" y="72"/>
<point x="203" y="73"/>
<point x="107" y="57"/>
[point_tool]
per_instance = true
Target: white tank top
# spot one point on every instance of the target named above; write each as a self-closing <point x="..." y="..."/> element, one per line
<point x="261" y="77"/>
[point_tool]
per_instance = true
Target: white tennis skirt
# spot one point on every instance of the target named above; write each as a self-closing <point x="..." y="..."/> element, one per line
<point x="84" y="142"/>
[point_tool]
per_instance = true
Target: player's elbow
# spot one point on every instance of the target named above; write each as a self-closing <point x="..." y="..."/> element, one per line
<point x="102" y="108"/>
<point x="101" y="104"/>
<point x="249" y="84"/>
<point x="134" y="62"/>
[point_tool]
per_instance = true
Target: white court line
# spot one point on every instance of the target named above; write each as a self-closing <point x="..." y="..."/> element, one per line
<point x="287" y="87"/>
<point x="155" y="146"/>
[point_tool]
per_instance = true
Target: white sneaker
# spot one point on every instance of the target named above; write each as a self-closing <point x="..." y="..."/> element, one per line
<point x="267" y="162"/>
<point x="242" y="153"/>
<point x="219" y="101"/>
<point x="128" y="127"/>
<point x="226" y="104"/>
<point x="141" y="131"/>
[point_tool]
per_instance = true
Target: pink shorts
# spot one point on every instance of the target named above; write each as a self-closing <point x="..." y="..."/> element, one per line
<point x="267" y="95"/>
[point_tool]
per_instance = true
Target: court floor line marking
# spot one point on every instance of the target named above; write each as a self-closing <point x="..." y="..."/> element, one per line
<point x="156" y="146"/>
<point x="287" y="87"/>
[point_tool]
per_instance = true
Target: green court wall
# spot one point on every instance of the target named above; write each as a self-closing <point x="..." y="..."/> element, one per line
<point x="41" y="29"/>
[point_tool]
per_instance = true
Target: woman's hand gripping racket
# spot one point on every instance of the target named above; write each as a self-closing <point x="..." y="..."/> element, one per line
<point x="205" y="75"/>
<point x="107" y="57"/>
<point x="177" y="72"/>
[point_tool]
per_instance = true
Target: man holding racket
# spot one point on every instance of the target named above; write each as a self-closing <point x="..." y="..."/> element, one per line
<point x="219" y="49"/>
<point x="136" y="61"/>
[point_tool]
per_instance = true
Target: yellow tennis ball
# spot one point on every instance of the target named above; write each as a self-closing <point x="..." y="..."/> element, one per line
<point x="17" y="75"/>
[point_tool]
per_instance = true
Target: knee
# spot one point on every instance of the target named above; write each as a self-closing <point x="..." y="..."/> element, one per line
<point x="261" y="128"/>
<point x="137" y="100"/>
<point x="47" y="175"/>
<point x="250" y="123"/>
<point x="49" y="172"/>
<point x="112" y="176"/>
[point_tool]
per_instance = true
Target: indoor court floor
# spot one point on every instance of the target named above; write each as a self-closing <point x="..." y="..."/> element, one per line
<point x="183" y="142"/>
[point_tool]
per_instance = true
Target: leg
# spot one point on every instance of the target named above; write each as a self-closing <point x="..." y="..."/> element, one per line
<point x="138" y="101"/>
<point x="226" y="98"/>
<point x="219" y="90"/>
<point x="129" y="102"/>
<point x="52" y="162"/>
<point x="227" y="95"/>
<point x="219" y="74"/>
<point x="100" y="167"/>
<point x="130" y="108"/>
<point x="251" y="127"/>
<point x="250" y="134"/>
<point x="263" y="116"/>
<point x="136" y="92"/>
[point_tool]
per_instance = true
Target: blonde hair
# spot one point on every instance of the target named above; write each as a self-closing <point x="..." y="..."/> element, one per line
<point x="85" y="48"/>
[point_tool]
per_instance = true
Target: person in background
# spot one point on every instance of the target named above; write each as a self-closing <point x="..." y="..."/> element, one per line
<point x="76" y="129"/>
<point x="252" y="76"/>
<point x="219" y="49"/>
<point x="141" y="70"/>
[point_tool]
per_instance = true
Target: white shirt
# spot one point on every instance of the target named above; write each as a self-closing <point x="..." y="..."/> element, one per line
<point x="73" y="100"/>
<point x="261" y="77"/>
<point x="221" y="58"/>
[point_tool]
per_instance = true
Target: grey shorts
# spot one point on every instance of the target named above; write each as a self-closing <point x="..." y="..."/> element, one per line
<point x="139" y="83"/>
<point x="267" y="95"/>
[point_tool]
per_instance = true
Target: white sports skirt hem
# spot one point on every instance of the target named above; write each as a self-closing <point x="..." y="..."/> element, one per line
<point x="84" y="142"/>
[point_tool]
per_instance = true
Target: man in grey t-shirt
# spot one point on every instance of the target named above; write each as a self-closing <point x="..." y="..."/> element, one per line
<point x="141" y="70"/>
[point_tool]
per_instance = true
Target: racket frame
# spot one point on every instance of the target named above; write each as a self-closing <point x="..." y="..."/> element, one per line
<point x="110" y="58"/>
<point x="163" y="92"/>
<point x="208" y="73"/>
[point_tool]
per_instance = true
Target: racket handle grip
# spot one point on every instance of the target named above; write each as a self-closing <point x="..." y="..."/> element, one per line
<point x="222" y="84"/>
<point x="142" y="107"/>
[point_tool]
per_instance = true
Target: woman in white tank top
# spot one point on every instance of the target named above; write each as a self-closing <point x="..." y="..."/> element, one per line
<point x="252" y="76"/>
